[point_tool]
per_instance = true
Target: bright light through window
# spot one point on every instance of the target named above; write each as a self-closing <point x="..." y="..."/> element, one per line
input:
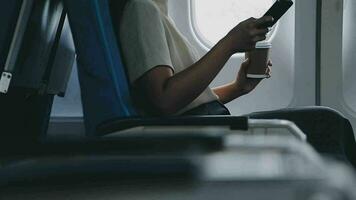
<point x="215" y="18"/>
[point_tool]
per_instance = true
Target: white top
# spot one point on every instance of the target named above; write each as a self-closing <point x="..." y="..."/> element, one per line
<point x="149" y="38"/>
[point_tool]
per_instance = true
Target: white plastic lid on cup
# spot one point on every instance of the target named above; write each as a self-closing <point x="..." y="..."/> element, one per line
<point x="263" y="45"/>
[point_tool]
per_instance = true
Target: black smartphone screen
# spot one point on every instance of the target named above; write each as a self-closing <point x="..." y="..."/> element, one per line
<point x="279" y="8"/>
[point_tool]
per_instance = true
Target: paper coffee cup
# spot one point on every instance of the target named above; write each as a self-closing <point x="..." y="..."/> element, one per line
<point x="259" y="58"/>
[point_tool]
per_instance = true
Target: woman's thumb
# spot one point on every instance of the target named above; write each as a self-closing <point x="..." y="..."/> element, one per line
<point x="245" y="64"/>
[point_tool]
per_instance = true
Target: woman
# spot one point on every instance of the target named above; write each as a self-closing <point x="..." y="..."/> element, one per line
<point x="169" y="78"/>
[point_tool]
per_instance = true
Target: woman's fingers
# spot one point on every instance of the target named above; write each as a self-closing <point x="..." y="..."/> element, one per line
<point x="260" y="32"/>
<point x="259" y="38"/>
<point x="269" y="72"/>
<point x="269" y="69"/>
<point x="263" y="21"/>
<point x="245" y="64"/>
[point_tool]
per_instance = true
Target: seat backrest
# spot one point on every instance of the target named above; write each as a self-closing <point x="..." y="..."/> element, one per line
<point x="29" y="36"/>
<point x="31" y="41"/>
<point x="104" y="85"/>
<point x="8" y="19"/>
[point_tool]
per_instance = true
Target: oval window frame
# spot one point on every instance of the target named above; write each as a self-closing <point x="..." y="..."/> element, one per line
<point x="202" y="40"/>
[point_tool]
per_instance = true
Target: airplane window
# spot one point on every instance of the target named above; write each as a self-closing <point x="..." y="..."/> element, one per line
<point x="205" y="22"/>
<point x="213" y="19"/>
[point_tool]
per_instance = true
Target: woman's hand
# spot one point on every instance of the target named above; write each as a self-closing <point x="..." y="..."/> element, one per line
<point x="241" y="86"/>
<point x="245" y="35"/>
<point x="246" y="85"/>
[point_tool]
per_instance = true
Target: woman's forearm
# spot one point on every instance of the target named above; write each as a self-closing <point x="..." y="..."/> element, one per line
<point x="184" y="87"/>
<point x="173" y="92"/>
<point x="228" y="93"/>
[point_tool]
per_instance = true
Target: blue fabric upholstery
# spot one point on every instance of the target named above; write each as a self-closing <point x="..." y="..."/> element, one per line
<point x="104" y="86"/>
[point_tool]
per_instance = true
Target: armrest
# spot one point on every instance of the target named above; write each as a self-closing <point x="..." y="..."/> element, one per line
<point x="235" y="123"/>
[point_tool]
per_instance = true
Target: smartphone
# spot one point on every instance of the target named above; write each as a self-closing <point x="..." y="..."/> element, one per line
<point x="279" y="8"/>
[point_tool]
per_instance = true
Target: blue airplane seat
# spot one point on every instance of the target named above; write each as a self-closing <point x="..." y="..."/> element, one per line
<point x="104" y="87"/>
<point x="105" y="90"/>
